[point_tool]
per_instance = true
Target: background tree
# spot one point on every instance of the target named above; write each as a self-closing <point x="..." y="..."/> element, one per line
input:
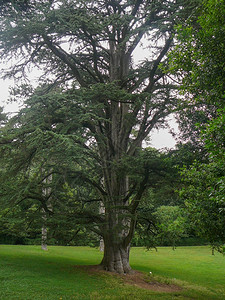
<point x="199" y="59"/>
<point x="172" y="225"/>
<point x="204" y="188"/>
<point x="86" y="48"/>
<point x="163" y="219"/>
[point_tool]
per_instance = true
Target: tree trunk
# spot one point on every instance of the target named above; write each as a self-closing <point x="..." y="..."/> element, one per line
<point x="116" y="258"/>
<point x="102" y="212"/>
<point x="44" y="232"/>
<point x="117" y="238"/>
<point x="117" y="230"/>
<point x="101" y="244"/>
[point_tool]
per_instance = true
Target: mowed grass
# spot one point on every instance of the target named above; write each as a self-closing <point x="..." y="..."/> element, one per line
<point x="27" y="272"/>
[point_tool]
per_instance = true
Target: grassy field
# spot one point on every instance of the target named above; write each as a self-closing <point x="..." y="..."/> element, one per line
<point x="26" y="272"/>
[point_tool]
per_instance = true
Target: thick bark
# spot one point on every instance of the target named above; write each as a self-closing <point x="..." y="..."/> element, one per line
<point x="116" y="257"/>
<point x="117" y="233"/>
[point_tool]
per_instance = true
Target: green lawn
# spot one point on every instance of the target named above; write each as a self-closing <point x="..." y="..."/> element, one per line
<point x="26" y="272"/>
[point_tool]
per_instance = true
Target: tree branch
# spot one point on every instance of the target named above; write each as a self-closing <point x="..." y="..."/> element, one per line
<point x="157" y="62"/>
<point x="65" y="58"/>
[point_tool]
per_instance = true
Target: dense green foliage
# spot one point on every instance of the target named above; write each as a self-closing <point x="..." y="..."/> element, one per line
<point x="199" y="60"/>
<point x="32" y="153"/>
<point x="204" y="190"/>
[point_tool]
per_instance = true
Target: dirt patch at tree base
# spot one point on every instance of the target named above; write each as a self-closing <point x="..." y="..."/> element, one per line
<point x="141" y="280"/>
<point x="136" y="278"/>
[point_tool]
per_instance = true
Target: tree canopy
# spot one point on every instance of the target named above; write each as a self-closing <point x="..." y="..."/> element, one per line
<point x="95" y="103"/>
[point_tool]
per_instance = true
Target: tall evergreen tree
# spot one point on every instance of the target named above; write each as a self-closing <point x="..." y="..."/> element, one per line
<point x="87" y="48"/>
